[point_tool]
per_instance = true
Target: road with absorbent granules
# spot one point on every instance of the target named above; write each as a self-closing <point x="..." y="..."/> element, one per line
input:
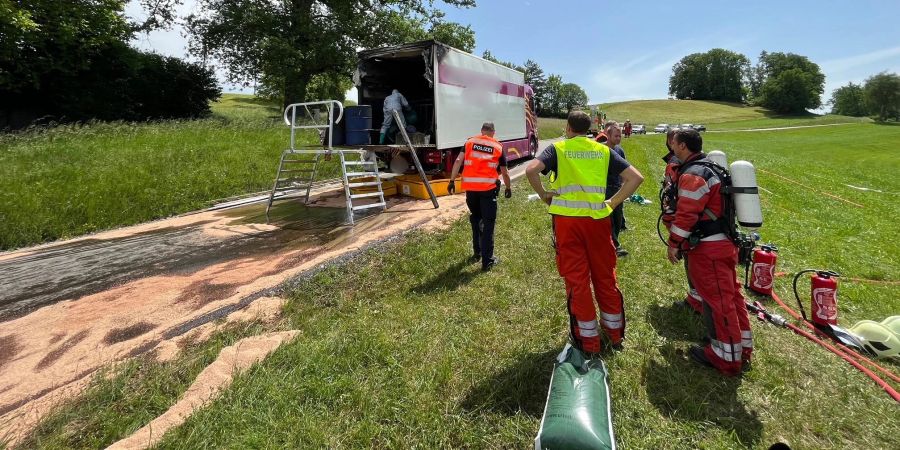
<point x="73" y="307"/>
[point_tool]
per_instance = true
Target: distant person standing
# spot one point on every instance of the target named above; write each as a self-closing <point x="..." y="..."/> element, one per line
<point x="627" y="128"/>
<point x="614" y="183"/>
<point x="582" y="229"/>
<point x="484" y="160"/>
<point x="394" y="102"/>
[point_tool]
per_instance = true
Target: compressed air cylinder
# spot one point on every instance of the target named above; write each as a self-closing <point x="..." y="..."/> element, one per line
<point x="745" y="194"/>
<point x="718" y="157"/>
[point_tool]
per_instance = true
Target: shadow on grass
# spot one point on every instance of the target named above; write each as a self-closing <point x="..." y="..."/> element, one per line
<point x="676" y="322"/>
<point x="258" y="101"/>
<point x="685" y="391"/>
<point x="450" y="279"/>
<point x="518" y="388"/>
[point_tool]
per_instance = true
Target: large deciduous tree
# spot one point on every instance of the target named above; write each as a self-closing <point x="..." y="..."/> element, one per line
<point x="285" y="44"/>
<point x="534" y="77"/>
<point x="551" y="98"/>
<point x="715" y="75"/>
<point x="882" y="94"/>
<point x="791" y="83"/>
<point x="572" y="96"/>
<point x="849" y="100"/>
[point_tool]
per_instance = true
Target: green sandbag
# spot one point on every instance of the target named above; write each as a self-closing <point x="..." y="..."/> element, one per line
<point x="578" y="413"/>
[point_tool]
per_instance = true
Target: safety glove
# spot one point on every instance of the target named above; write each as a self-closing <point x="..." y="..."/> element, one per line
<point x="507" y="193"/>
<point x="451" y="187"/>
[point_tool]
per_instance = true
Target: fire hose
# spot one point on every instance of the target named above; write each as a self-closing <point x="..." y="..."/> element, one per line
<point x="844" y="353"/>
<point x="843" y="347"/>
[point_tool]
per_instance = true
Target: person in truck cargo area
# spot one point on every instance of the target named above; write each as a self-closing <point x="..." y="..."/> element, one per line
<point x="582" y="228"/>
<point x="695" y="230"/>
<point x="394" y="102"/>
<point x="483" y="160"/>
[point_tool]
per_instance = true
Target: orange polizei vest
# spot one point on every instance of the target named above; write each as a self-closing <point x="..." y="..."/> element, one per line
<point x="481" y="160"/>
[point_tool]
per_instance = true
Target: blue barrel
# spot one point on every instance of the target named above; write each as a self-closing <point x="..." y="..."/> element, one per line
<point x="358" y="123"/>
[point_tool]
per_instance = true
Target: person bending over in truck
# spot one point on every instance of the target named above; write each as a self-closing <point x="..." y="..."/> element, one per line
<point x="484" y="160"/>
<point x="394" y="102"/>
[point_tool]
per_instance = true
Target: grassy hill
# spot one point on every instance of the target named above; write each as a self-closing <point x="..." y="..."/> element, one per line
<point x="717" y="116"/>
<point x="652" y="112"/>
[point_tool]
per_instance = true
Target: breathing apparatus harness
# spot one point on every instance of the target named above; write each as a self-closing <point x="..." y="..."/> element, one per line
<point x="727" y="223"/>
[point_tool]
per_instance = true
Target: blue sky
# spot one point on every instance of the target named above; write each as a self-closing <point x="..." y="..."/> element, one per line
<point x="625" y="50"/>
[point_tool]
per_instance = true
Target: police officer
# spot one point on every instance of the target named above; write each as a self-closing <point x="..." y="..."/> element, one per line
<point x="484" y="160"/>
<point x="695" y="229"/>
<point x="582" y="228"/>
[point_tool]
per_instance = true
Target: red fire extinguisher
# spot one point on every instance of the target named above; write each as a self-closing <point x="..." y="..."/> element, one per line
<point x="762" y="271"/>
<point x="824" y="297"/>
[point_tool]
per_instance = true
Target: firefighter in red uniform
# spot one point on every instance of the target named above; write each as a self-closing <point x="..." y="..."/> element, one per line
<point x="484" y="160"/>
<point x="695" y="229"/>
<point x="692" y="300"/>
<point x="582" y="228"/>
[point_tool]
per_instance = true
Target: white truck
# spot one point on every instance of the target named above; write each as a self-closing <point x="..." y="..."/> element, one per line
<point x="452" y="93"/>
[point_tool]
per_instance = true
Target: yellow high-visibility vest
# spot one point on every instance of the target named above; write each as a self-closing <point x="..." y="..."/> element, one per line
<point x="582" y="166"/>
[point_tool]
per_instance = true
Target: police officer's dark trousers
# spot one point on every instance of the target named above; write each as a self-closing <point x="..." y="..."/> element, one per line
<point x="483" y="208"/>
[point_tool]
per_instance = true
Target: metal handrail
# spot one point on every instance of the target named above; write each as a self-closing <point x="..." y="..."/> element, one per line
<point x="292" y="122"/>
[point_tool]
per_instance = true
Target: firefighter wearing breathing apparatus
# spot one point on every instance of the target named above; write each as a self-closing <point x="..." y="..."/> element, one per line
<point x="692" y="299"/>
<point x="582" y="228"/>
<point x="698" y="224"/>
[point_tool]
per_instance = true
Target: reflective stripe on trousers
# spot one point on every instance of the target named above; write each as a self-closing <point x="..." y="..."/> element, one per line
<point x="612" y="321"/>
<point x="746" y="339"/>
<point x="588" y="328"/>
<point x="728" y="352"/>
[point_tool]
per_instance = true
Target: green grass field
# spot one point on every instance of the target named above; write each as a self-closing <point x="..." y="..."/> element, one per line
<point x="71" y="180"/>
<point x="717" y="116"/>
<point x="409" y="346"/>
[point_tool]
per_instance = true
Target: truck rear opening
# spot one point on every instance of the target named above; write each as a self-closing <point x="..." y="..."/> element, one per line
<point x="452" y="93"/>
<point x="405" y="68"/>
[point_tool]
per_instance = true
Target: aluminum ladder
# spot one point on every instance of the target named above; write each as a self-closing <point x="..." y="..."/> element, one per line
<point x="298" y="166"/>
<point x="367" y="168"/>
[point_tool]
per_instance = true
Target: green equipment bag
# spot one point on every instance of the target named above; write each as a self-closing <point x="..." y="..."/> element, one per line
<point x="578" y="414"/>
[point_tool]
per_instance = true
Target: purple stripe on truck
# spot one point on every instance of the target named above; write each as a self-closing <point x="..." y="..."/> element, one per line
<point x="465" y="78"/>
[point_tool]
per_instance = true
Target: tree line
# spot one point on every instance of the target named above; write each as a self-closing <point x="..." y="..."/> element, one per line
<point x="552" y="97"/>
<point x="879" y="96"/>
<point x="70" y="61"/>
<point x="783" y="82"/>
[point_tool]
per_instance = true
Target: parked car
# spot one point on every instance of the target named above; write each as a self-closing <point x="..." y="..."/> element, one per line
<point x="639" y="129"/>
<point x="686" y="126"/>
<point x="661" y="128"/>
<point x="700" y="127"/>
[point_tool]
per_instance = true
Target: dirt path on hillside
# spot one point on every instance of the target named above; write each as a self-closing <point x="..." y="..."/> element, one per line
<point x="783" y="128"/>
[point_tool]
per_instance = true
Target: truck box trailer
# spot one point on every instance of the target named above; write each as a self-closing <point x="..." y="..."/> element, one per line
<point x="452" y="93"/>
